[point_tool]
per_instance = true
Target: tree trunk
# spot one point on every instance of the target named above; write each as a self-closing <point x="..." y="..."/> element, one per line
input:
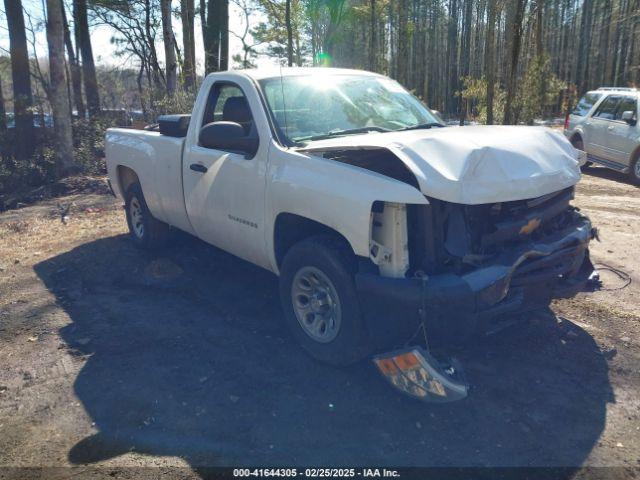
<point x="452" y="55"/>
<point x="156" y="71"/>
<point x="542" y="81"/>
<point x="373" y="65"/>
<point x="287" y="21"/>
<point x="224" y="35"/>
<point x="211" y="36"/>
<point x="169" y="50"/>
<point x="514" y="55"/>
<point x="582" y="66"/>
<point x="3" y="111"/>
<point x="187" y="14"/>
<point x="489" y="66"/>
<point x="58" y="96"/>
<point x="466" y="54"/>
<point x="22" y="96"/>
<point x="81" y="24"/>
<point x="403" y="42"/>
<point x="206" y="38"/>
<point x="74" y="67"/>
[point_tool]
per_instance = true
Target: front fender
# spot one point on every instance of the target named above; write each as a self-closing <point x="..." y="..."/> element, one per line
<point x="334" y="194"/>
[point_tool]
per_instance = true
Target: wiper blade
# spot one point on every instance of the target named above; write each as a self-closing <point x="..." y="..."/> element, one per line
<point x="421" y="126"/>
<point x="338" y="133"/>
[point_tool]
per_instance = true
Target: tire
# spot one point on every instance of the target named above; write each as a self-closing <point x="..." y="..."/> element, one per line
<point x="145" y="230"/>
<point x="579" y="145"/>
<point x="330" y="299"/>
<point x="634" y="170"/>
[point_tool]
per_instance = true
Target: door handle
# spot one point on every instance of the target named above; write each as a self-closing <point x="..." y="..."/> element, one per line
<point x="197" y="167"/>
<point x="610" y="127"/>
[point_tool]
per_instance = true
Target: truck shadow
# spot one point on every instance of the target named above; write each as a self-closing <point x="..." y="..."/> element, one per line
<point x="185" y="355"/>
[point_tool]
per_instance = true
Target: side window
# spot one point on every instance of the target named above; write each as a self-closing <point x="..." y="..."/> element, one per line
<point x="585" y="104"/>
<point x="228" y="103"/>
<point x="607" y="108"/>
<point x="625" y="105"/>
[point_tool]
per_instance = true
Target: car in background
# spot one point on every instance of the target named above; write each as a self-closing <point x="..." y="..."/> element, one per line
<point x="604" y="124"/>
<point x="45" y="119"/>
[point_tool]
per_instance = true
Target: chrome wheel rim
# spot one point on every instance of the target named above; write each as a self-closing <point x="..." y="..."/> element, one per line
<point x="135" y="211"/>
<point x="316" y="304"/>
<point x="636" y="169"/>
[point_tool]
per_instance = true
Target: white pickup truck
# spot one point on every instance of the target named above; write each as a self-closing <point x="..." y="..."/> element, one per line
<point x="377" y="219"/>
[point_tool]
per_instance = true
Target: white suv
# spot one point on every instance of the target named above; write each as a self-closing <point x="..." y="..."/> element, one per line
<point x="604" y="125"/>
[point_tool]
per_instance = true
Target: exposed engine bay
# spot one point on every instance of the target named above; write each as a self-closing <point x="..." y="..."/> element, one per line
<point x="450" y="237"/>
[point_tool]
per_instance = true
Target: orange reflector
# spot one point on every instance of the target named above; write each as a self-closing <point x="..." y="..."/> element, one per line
<point x="386" y="366"/>
<point x="414" y="372"/>
<point x="406" y="361"/>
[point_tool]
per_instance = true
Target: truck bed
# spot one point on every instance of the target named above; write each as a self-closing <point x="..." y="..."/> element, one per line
<point x="157" y="159"/>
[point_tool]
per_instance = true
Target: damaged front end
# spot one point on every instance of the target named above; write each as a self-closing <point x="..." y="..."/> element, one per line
<point x="491" y="242"/>
<point x="472" y="267"/>
<point x="468" y="270"/>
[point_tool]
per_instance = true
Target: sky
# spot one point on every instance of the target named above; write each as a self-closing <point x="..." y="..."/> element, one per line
<point x="101" y="35"/>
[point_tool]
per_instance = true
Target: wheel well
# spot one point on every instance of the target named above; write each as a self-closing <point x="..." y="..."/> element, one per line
<point x="126" y="177"/>
<point x="575" y="136"/>
<point x="634" y="155"/>
<point x="291" y="229"/>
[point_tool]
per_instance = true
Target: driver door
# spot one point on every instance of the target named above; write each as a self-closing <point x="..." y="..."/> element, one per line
<point x="224" y="190"/>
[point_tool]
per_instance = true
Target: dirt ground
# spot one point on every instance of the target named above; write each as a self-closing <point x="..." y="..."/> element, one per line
<point x="111" y="357"/>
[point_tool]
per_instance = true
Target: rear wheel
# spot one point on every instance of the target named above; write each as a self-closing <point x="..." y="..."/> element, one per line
<point x="320" y="303"/>
<point x="144" y="229"/>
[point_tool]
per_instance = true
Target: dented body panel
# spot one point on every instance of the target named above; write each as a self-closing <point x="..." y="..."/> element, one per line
<point x="476" y="164"/>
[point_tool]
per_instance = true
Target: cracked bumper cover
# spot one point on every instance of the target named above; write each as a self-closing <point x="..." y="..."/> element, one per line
<point x="457" y="306"/>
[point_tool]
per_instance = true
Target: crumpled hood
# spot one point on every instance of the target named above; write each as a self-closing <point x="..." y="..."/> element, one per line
<point x="476" y="164"/>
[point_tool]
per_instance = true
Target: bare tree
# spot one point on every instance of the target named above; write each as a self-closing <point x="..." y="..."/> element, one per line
<point x="58" y="93"/>
<point x="169" y="47"/>
<point x="224" y="34"/>
<point x="215" y="32"/>
<point x="210" y="37"/>
<point x="74" y="67"/>
<point x="81" y="24"/>
<point x="248" y="49"/>
<point x="187" y="14"/>
<point x="22" y="96"/>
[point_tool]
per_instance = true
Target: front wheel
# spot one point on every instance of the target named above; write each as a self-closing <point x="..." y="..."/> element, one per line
<point x="320" y="303"/>
<point x="634" y="171"/>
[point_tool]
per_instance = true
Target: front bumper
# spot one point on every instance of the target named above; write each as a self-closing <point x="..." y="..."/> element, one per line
<point x="456" y="307"/>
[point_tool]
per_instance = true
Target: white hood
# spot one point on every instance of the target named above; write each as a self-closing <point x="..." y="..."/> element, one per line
<point x="476" y="164"/>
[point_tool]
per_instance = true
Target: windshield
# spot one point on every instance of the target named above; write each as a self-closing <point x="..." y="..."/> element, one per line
<point x="322" y="106"/>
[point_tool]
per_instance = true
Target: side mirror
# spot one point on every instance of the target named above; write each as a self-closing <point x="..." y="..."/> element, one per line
<point x="228" y="136"/>
<point x="627" y="116"/>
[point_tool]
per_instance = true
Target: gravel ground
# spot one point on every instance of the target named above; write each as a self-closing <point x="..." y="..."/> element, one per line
<point x="112" y="358"/>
